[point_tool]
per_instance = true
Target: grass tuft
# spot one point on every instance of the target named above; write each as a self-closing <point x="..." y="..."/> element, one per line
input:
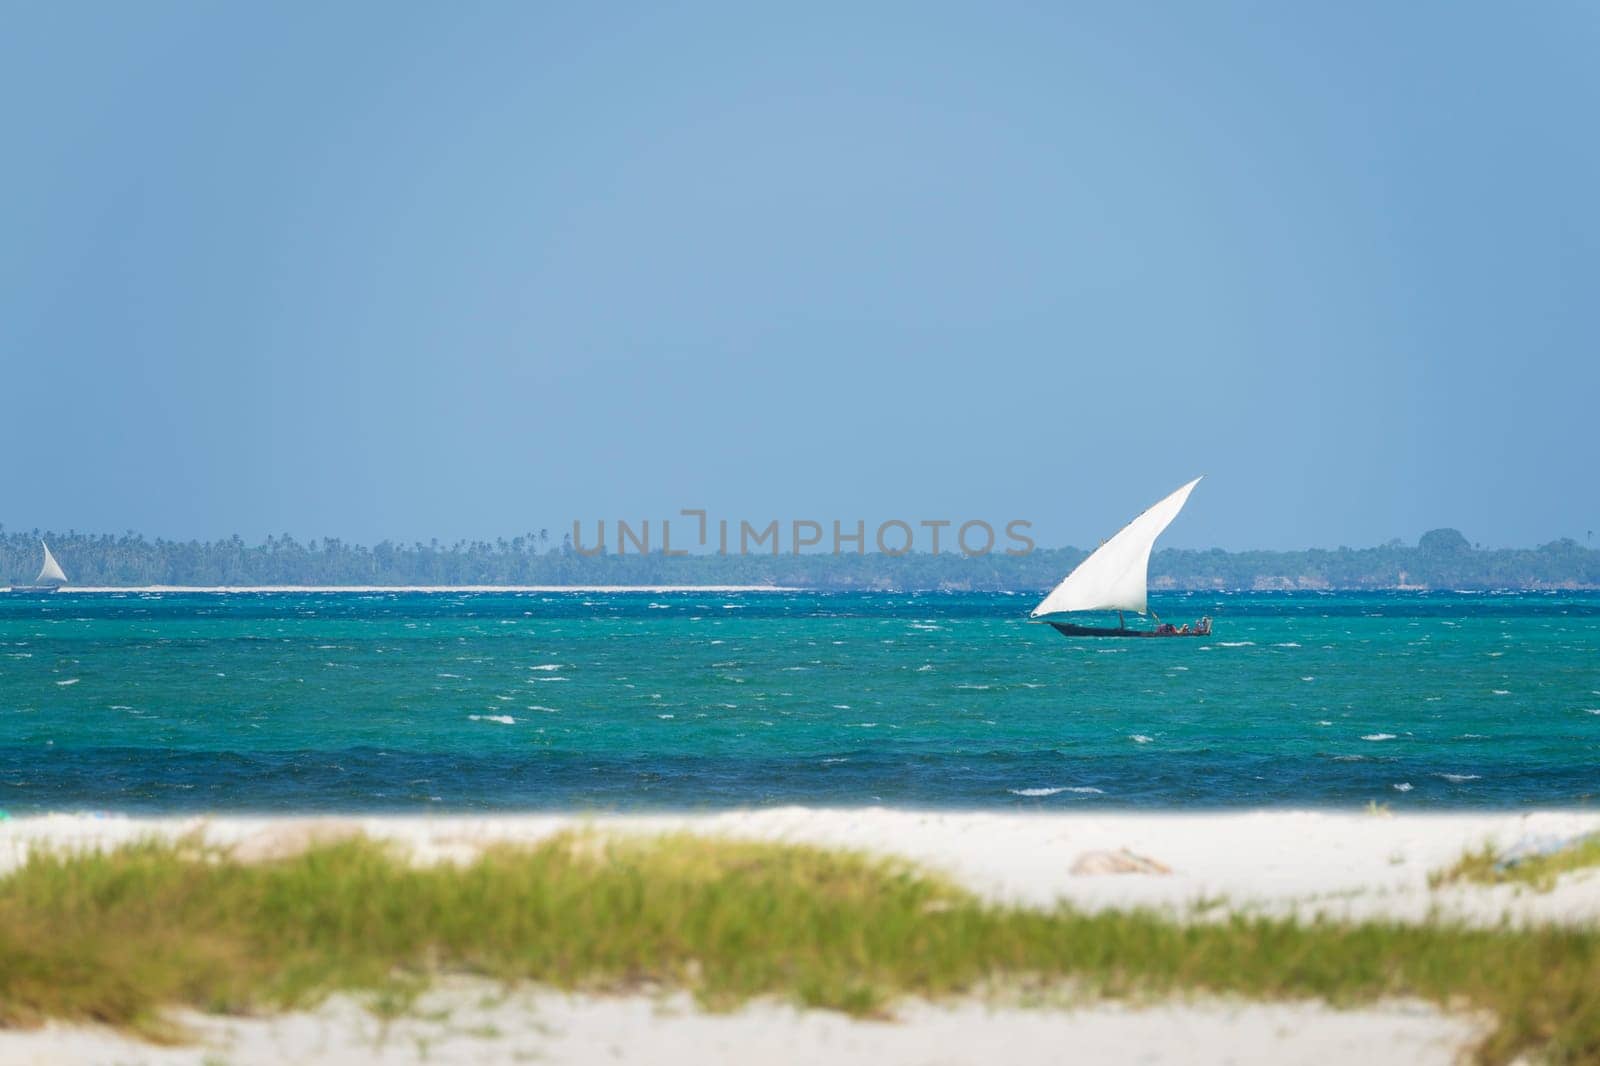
<point x="1488" y="866"/>
<point x="119" y="937"/>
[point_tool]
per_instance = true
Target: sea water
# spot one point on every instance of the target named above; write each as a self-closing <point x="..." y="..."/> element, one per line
<point x="432" y="702"/>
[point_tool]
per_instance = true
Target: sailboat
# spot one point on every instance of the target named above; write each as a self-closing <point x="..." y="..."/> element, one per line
<point x="1114" y="578"/>
<point x="51" y="576"/>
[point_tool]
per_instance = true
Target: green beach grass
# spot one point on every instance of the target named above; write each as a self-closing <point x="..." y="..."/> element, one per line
<point x="1539" y="872"/>
<point x="117" y="937"/>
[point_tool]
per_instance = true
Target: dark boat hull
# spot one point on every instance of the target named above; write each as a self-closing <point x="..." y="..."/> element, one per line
<point x="1069" y="630"/>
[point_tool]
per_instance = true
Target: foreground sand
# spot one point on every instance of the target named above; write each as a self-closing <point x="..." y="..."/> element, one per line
<point x="1347" y="865"/>
<point x="480" y="1024"/>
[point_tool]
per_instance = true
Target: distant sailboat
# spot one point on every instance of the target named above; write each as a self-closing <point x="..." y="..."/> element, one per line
<point x="51" y="576"/>
<point x="1114" y="578"/>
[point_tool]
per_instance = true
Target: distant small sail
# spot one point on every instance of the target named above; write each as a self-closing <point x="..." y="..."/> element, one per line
<point x="1114" y="577"/>
<point x="50" y="573"/>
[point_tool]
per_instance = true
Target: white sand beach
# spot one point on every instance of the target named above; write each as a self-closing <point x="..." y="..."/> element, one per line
<point x="1336" y="864"/>
<point x="1345" y="865"/>
<point x="481" y="1024"/>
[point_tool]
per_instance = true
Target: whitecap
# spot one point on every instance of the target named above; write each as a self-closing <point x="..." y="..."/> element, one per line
<point x="541" y="707"/>
<point x="1140" y="738"/>
<point x="1591" y="710"/>
<point x="1501" y="691"/>
<point x="1323" y="721"/>
<point x="1236" y="643"/>
<point x="826" y="762"/>
<point x="1456" y="779"/>
<point x="924" y="668"/>
<point x="1403" y="786"/>
<point x="69" y="681"/>
<point x="1308" y="677"/>
<point x="503" y="719"/>
<point x="1378" y="736"/>
<point x="841" y="706"/>
<point x="1084" y="790"/>
<point x="546" y="666"/>
<point x="666" y="716"/>
<point x="1287" y="644"/>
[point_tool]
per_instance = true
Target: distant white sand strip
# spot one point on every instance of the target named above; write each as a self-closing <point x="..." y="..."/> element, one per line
<point x="188" y="589"/>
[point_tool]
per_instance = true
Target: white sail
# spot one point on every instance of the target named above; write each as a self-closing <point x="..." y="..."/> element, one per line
<point x="1113" y="577"/>
<point x="50" y="573"/>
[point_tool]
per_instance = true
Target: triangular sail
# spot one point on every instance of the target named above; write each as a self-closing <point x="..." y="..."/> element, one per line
<point x="50" y="573"/>
<point x="1114" y="576"/>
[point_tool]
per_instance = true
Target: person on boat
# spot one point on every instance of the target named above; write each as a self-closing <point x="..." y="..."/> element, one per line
<point x="1183" y="630"/>
<point x="1166" y="629"/>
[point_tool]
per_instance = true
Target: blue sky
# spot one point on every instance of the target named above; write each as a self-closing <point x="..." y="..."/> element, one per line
<point x="414" y="270"/>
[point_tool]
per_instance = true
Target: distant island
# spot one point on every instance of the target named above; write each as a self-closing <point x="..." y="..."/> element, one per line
<point x="1442" y="559"/>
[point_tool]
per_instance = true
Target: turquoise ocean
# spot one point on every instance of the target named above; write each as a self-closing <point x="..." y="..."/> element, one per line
<point x="414" y="702"/>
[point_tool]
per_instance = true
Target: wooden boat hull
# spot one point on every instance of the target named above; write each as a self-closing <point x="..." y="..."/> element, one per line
<point x="1067" y="629"/>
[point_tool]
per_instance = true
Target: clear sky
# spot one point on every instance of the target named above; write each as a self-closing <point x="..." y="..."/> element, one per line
<point x="417" y="270"/>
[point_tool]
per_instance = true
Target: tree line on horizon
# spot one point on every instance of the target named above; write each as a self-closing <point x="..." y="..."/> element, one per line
<point x="1442" y="559"/>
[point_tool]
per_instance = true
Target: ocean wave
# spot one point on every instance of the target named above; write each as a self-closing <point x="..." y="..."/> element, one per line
<point x="546" y="666"/>
<point x="1083" y="790"/>
<point x="1236" y="643"/>
<point x="1403" y="786"/>
<point x="1287" y="644"/>
<point x="69" y="681"/>
<point x="503" y="719"/>
<point x="1378" y="736"/>
<point x="1140" y="738"/>
<point x="1456" y="779"/>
